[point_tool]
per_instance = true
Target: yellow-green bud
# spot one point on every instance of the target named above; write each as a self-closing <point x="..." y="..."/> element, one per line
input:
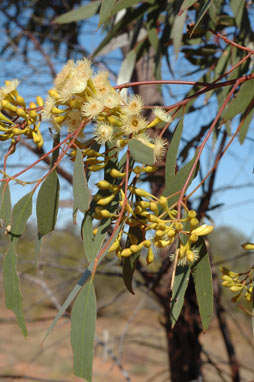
<point x="39" y="101"/>
<point x="178" y="226"/>
<point x="192" y="214"/>
<point x="204" y="229"/>
<point x="116" y="174"/>
<point x="103" y="185"/>
<point x="150" y="256"/>
<point x="147" y="243"/>
<point x="236" y="288"/>
<point x="20" y="101"/>
<point x="106" y="200"/>
<point x="194" y="222"/>
<point x="163" y="202"/>
<point x="193" y="238"/>
<point x="126" y="252"/>
<point x="248" y="246"/>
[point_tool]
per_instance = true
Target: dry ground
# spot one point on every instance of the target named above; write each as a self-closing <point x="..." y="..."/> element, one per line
<point x="133" y="335"/>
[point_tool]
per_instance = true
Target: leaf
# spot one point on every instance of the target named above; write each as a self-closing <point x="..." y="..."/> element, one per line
<point x="13" y="297"/>
<point x="129" y="263"/>
<point x="202" y="277"/>
<point x="176" y="183"/>
<point x="80" y="187"/>
<point x="241" y="101"/>
<point x="5" y="203"/>
<point x="172" y="152"/>
<point x="141" y="152"/>
<point x="20" y="214"/>
<point x="85" y="276"/>
<point x="127" y="67"/>
<point x="83" y="319"/>
<point x="177" y="31"/>
<point x="129" y="266"/>
<point x="245" y="126"/>
<point x="47" y="204"/>
<point x="105" y="12"/>
<point x="186" y="4"/>
<point x="80" y="13"/>
<point x="202" y="12"/>
<point x="181" y="282"/>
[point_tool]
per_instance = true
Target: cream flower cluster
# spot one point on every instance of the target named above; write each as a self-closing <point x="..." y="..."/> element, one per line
<point x="79" y="97"/>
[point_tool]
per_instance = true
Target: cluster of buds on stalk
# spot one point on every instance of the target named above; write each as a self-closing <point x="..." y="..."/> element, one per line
<point x="16" y="118"/>
<point x="150" y="216"/>
<point x="238" y="283"/>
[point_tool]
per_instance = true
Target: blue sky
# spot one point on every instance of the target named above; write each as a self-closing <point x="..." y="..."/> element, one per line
<point x="235" y="169"/>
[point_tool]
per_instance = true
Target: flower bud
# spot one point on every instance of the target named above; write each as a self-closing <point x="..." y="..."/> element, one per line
<point x="150" y="256"/>
<point x="248" y="246"/>
<point x="202" y="230"/>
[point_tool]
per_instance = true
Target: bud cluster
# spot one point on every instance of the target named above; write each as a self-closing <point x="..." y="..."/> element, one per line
<point x="150" y="215"/>
<point x="239" y="283"/>
<point x="16" y="118"/>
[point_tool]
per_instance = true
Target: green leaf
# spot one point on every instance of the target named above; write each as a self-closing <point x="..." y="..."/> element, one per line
<point x="202" y="276"/>
<point x="85" y="276"/>
<point x="83" y="319"/>
<point x="20" y="214"/>
<point x="237" y="8"/>
<point x="80" y="187"/>
<point x="129" y="263"/>
<point x="187" y="4"/>
<point x="80" y="13"/>
<point x="13" y="297"/>
<point x="141" y="152"/>
<point x="5" y="203"/>
<point x="88" y="237"/>
<point x="245" y="126"/>
<point x="129" y="266"/>
<point x="181" y="282"/>
<point x="105" y="12"/>
<point x="172" y="152"/>
<point x="127" y="67"/>
<point x="241" y="101"/>
<point x="176" y="183"/>
<point x="202" y="13"/>
<point x="47" y="204"/>
<point x="177" y="31"/>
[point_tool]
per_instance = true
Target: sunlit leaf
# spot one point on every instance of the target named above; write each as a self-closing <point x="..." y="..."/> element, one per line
<point x="241" y="101"/>
<point x="80" y="187"/>
<point x="172" y="152"/>
<point x="245" y="126"/>
<point x="106" y="10"/>
<point x="202" y="13"/>
<point x="127" y="67"/>
<point x="83" y="318"/>
<point x="80" y="13"/>
<point x="202" y="276"/>
<point x="181" y="282"/>
<point x="47" y="204"/>
<point x="20" y="214"/>
<point x="13" y="297"/>
<point x="177" y="31"/>
<point x="141" y="152"/>
<point x="5" y="203"/>
<point x="186" y="4"/>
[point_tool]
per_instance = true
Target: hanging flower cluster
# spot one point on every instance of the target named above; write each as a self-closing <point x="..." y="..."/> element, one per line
<point x="16" y="118"/>
<point x="81" y="97"/>
<point x="238" y="283"/>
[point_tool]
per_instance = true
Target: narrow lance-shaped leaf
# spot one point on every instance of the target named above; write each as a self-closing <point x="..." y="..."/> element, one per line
<point x="241" y="101"/>
<point x="177" y="31"/>
<point x="5" y="203"/>
<point x="13" y="298"/>
<point x="181" y="282"/>
<point x="141" y="152"/>
<point x="80" y="187"/>
<point x="47" y="204"/>
<point x="105" y="11"/>
<point x="202" y="13"/>
<point x="127" y="67"/>
<point x="80" y="13"/>
<point x="202" y="276"/>
<point x="172" y="152"/>
<point x="20" y="214"/>
<point x="83" y="318"/>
